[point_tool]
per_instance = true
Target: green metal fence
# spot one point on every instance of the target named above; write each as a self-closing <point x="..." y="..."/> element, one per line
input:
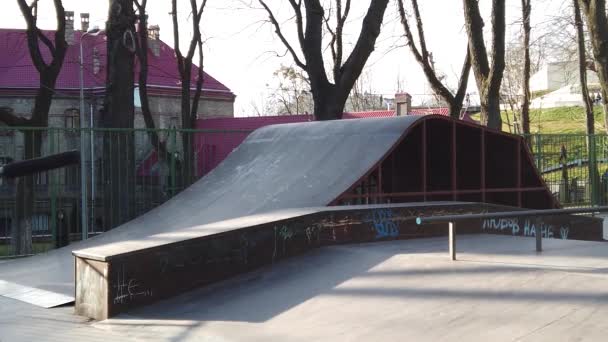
<point x="130" y="171"/>
<point x="127" y="172"/>
<point x="574" y="166"/>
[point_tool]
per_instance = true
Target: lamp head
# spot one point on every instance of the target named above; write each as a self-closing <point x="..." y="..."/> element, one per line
<point x="95" y="30"/>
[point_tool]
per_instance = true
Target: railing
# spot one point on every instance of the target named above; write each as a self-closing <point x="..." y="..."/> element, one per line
<point x="452" y="219"/>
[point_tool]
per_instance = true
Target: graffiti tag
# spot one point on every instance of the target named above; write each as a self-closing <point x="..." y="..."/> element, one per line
<point x="383" y="223"/>
<point x="529" y="228"/>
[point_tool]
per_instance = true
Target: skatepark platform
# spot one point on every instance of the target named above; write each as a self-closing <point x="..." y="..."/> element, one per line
<point x="120" y="276"/>
<point x="499" y="290"/>
<point x="286" y="168"/>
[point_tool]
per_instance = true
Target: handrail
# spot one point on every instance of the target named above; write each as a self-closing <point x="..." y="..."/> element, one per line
<point x="503" y="214"/>
<point x="452" y="219"/>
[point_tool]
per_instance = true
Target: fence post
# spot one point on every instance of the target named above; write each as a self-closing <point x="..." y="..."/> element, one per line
<point x="52" y="190"/>
<point x="452" y="238"/>
<point x="173" y="156"/>
<point x="593" y="174"/>
<point x="538" y="152"/>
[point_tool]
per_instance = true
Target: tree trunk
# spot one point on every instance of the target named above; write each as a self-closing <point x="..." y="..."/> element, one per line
<point x="188" y="122"/>
<point x="525" y="106"/>
<point x="328" y="103"/>
<point x="21" y="237"/>
<point x="21" y="234"/>
<point x="48" y="71"/>
<point x="594" y="175"/>
<point x="119" y="159"/>
<point x="490" y="110"/>
<point x="488" y="77"/>
<point x="455" y="109"/>
<point x="597" y="23"/>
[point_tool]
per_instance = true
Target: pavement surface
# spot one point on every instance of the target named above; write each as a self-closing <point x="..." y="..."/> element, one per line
<point x="500" y="289"/>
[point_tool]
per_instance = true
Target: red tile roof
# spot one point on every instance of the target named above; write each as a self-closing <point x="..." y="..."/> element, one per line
<point x="369" y="114"/>
<point x="17" y="73"/>
<point x="427" y="111"/>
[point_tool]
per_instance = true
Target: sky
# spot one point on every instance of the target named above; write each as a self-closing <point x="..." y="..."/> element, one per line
<point x="242" y="50"/>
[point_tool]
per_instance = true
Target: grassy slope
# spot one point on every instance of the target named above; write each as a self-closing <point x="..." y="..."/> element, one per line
<point x="561" y="120"/>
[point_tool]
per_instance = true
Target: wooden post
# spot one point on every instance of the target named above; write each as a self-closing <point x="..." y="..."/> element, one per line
<point x="452" y="237"/>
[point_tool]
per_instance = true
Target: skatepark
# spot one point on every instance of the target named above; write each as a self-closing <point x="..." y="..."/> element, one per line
<point x="307" y="232"/>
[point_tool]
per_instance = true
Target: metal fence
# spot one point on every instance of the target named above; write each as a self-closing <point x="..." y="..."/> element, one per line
<point x="574" y="166"/>
<point x="127" y="172"/>
<point x="130" y="171"/>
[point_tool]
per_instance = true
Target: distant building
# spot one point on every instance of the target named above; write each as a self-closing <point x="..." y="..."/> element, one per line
<point x="557" y="84"/>
<point x="555" y="75"/>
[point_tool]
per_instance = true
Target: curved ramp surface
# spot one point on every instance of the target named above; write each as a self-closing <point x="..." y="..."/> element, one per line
<point x="276" y="167"/>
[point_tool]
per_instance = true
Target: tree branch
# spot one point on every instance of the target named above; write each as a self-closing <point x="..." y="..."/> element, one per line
<point x="176" y="47"/>
<point x="297" y="8"/>
<point x="332" y="42"/>
<point x="10" y="119"/>
<point x="455" y="101"/>
<point x="498" y="44"/>
<point x="370" y="31"/>
<point x="46" y="41"/>
<point x="32" y="34"/>
<point x="421" y="38"/>
<point x="142" y="56"/>
<point x="196" y="30"/>
<point x="474" y="24"/>
<point x="199" y="83"/>
<point x="277" y="29"/>
<point x="464" y="78"/>
<point x="408" y="34"/>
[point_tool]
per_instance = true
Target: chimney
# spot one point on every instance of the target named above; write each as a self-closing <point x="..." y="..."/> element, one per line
<point x="69" y="27"/>
<point x="84" y="22"/>
<point x="403" y="104"/>
<point x="154" y="39"/>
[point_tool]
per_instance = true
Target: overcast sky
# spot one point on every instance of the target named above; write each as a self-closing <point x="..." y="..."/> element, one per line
<point x="241" y="50"/>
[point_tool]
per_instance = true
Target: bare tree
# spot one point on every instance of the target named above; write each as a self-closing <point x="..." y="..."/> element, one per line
<point x="590" y="120"/>
<point x="189" y="101"/>
<point x="142" y="57"/>
<point x="48" y="70"/>
<point x="423" y="57"/>
<point x="597" y="24"/>
<point x="310" y="17"/>
<point x="292" y="95"/>
<point x="488" y="76"/>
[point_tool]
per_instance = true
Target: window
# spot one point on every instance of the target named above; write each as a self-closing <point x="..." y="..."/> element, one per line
<point x="72" y="118"/>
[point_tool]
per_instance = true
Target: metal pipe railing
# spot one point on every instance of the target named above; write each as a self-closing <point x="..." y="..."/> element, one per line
<point x="452" y="219"/>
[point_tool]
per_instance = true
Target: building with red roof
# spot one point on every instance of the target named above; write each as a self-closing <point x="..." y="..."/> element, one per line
<point x="19" y="79"/>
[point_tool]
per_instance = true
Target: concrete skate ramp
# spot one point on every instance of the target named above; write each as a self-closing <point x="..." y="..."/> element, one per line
<point x="276" y="167"/>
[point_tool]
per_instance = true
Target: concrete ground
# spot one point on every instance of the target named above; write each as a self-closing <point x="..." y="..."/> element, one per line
<point x="498" y="290"/>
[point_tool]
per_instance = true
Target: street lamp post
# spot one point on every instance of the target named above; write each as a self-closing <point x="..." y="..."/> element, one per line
<point x="83" y="178"/>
